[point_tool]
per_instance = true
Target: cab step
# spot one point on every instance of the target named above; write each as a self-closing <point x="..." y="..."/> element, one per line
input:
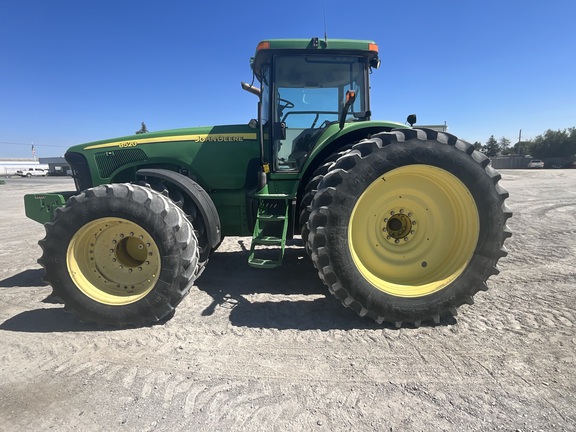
<point x="270" y="230"/>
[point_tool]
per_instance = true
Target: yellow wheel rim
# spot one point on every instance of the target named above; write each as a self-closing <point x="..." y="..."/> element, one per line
<point x="413" y="231"/>
<point x="113" y="261"/>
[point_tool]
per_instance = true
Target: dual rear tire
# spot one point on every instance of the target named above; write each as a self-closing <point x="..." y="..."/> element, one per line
<point x="407" y="226"/>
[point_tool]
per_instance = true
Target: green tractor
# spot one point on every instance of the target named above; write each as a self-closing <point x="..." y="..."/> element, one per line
<point x="403" y="224"/>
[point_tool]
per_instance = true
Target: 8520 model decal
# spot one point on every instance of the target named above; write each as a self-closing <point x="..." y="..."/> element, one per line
<point x="199" y="138"/>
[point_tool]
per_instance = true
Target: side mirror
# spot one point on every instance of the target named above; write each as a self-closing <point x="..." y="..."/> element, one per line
<point x="411" y="119"/>
<point x="350" y="98"/>
<point x="375" y="63"/>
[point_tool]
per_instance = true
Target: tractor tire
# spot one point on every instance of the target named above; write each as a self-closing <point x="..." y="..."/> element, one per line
<point x="120" y="255"/>
<point x="309" y="192"/>
<point x="408" y="226"/>
<point x="193" y="215"/>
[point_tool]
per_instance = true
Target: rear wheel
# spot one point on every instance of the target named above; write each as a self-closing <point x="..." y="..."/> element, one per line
<point x="408" y="225"/>
<point x="310" y="191"/>
<point x="120" y="255"/>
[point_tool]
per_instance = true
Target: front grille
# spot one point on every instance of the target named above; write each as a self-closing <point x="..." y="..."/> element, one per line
<point x="109" y="161"/>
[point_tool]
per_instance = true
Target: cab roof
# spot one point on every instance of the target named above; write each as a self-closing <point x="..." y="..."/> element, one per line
<point x="314" y="45"/>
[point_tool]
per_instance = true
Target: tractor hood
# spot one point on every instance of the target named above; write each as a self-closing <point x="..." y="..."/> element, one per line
<point x="198" y="135"/>
<point x="195" y="151"/>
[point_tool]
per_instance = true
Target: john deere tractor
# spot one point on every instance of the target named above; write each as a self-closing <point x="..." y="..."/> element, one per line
<point x="403" y="224"/>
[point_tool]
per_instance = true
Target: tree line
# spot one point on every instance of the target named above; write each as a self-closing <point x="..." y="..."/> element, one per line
<point x="551" y="144"/>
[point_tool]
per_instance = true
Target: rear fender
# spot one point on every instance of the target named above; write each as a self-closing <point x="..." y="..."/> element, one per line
<point x="334" y="138"/>
<point x="197" y="194"/>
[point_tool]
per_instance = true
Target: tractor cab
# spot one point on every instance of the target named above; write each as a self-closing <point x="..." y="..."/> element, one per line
<point x="308" y="88"/>
<point x="305" y="87"/>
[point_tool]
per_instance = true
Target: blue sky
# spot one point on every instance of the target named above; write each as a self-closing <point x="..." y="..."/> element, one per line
<point x="74" y="71"/>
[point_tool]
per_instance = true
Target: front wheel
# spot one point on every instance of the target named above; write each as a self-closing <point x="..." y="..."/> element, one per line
<point x="408" y="226"/>
<point x="120" y="255"/>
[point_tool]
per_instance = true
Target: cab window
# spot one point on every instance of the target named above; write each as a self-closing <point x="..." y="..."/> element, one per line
<point x="309" y="94"/>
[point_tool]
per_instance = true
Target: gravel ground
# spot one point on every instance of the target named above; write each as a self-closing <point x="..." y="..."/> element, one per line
<point x="272" y="350"/>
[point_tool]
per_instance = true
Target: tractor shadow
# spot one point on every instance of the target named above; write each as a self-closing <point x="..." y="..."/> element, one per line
<point x="27" y="278"/>
<point x="46" y="320"/>
<point x="42" y="320"/>
<point x="288" y="297"/>
<point x="278" y="297"/>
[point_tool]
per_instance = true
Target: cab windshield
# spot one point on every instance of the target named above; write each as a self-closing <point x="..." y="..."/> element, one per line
<point x="310" y="92"/>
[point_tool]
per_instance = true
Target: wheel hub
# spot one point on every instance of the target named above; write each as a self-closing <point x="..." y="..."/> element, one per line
<point x="114" y="261"/>
<point x="400" y="226"/>
<point x="125" y="259"/>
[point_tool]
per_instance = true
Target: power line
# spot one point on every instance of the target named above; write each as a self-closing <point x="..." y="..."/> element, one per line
<point x="34" y="144"/>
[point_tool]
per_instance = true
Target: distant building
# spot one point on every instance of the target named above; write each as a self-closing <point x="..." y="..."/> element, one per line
<point x="54" y="165"/>
<point x="437" y="128"/>
<point x="515" y="161"/>
<point x="8" y="167"/>
<point x="57" y="165"/>
<point x="512" y="161"/>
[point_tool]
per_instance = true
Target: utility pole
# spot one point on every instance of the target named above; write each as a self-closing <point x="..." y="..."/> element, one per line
<point x="520" y="142"/>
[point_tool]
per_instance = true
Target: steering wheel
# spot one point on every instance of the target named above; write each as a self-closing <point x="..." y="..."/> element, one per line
<point x="287" y="104"/>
